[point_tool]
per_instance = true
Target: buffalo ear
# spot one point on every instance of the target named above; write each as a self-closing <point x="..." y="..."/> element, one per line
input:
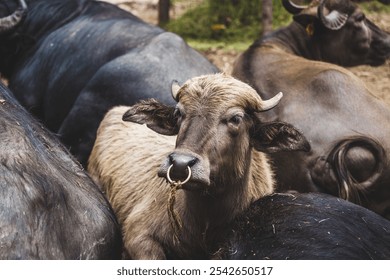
<point x="278" y="136"/>
<point x="155" y="115"/>
<point x="305" y="20"/>
<point x="306" y="17"/>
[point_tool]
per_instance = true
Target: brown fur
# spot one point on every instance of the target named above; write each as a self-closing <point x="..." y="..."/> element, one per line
<point x="329" y="104"/>
<point x="138" y="196"/>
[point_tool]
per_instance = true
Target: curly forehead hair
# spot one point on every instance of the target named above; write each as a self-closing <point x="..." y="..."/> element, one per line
<point x="220" y="89"/>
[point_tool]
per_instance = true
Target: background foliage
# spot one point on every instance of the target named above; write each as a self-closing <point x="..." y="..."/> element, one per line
<point x="234" y="21"/>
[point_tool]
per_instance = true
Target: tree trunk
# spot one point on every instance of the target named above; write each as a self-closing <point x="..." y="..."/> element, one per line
<point x="163" y="12"/>
<point x="266" y="17"/>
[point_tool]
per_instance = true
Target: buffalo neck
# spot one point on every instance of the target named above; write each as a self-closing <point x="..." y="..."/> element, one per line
<point x="206" y="217"/>
<point x="293" y="39"/>
<point x="210" y="212"/>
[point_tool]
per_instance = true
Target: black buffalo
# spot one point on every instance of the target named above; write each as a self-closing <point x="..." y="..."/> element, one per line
<point x="69" y="61"/>
<point x="347" y="127"/>
<point x="307" y="226"/>
<point x="49" y="207"/>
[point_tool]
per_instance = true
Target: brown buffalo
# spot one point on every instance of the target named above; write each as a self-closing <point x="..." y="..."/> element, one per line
<point x="347" y="127"/>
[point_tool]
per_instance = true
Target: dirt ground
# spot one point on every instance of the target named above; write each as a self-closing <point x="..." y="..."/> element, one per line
<point x="377" y="79"/>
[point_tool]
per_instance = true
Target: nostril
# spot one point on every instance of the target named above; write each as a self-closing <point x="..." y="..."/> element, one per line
<point x="192" y="162"/>
<point x="182" y="160"/>
<point x="180" y="164"/>
<point x="171" y="158"/>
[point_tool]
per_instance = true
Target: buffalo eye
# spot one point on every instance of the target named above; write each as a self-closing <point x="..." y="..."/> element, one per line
<point x="235" y="120"/>
<point x="178" y="115"/>
<point x="360" y="17"/>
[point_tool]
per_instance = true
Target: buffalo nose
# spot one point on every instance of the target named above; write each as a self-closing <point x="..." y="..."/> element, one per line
<point x="180" y="164"/>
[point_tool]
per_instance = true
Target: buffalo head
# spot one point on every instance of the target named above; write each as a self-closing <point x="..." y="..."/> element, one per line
<point x="341" y="32"/>
<point x="217" y="121"/>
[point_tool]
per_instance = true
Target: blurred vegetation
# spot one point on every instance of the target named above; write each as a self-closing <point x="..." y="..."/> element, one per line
<point x="233" y="23"/>
<point x="375" y="7"/>
<point x="227" y="20"/>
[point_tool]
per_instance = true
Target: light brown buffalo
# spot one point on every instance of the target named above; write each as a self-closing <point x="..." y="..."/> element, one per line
<point x="220" y="146"/>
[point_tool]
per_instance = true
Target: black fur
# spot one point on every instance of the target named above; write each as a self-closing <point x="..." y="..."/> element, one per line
<point x="72" y="60"/>
<point x="49" y="207"/>
<point x="307" y="226"/>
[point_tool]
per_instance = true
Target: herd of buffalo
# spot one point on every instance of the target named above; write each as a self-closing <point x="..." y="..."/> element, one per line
<point x="120" y="141"/>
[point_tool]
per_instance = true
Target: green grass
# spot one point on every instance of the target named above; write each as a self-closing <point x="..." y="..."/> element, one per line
<point x="205" y="23"/>
<point x="375" y="7"/>
<point x="204" y="45"/>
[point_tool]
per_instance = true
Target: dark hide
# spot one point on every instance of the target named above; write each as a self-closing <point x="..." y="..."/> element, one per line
<point x="356" y="40"/>
<point x="70" y="61"/>
<point x="307" y="226"/>
<point x="347" y="127"/>
<point x="49" y="207"/>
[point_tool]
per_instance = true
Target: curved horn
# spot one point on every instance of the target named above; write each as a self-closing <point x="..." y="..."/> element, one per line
<point x="272" y="102"/>
<point x="175" y="89"/>
<point x="292" y="8"/>
<point x="334" y="20"/>
<point x="14" y="19"/>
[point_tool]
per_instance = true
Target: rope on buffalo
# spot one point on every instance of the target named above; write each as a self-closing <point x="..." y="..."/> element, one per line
<point x="174" y="218"/>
